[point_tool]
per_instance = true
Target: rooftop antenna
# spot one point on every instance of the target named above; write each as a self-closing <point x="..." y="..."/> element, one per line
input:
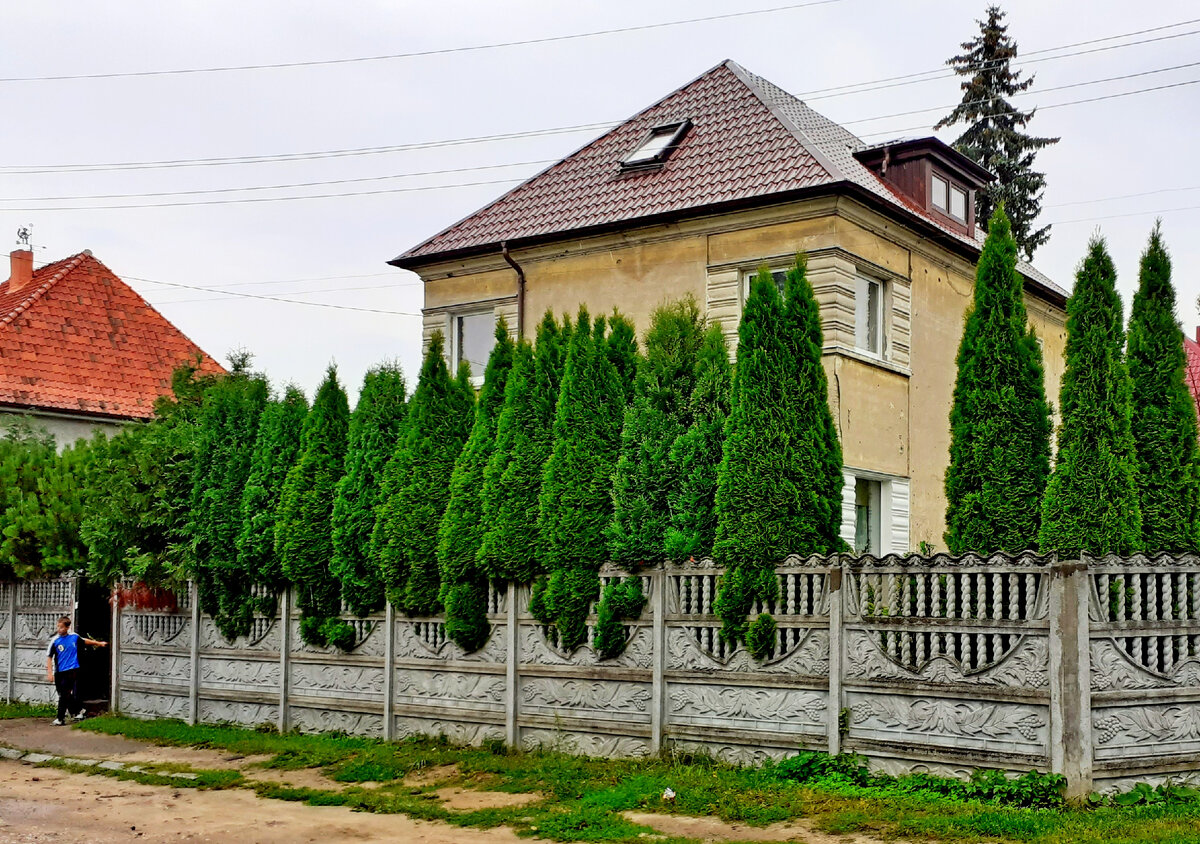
<point x="25" y="236"/>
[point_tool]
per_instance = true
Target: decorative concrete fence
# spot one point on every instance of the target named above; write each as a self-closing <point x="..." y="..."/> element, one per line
<point x="1090" y="668"/>
<point x="31" y="612"/>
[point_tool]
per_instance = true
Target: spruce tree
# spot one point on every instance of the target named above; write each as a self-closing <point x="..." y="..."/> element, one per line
<point x="780" y="480"/>
<point x="1162" y="412"/>
<point x="1091" y="502"/>
<point x="226" y="432"/>
<point x="1000" y="419"/>
<point x="303" y="532"/>
<point x="645" y="475"/>
<point x="464" y="583"/>
<point x="995" y="136"/>
<point x="576" y="497"/>
<point x="696" y="453"/>
<point x="512" y="483"/>
<point x="375" y="427"/>
<point x="416" y="483"/>
<point x="276" y="449"/>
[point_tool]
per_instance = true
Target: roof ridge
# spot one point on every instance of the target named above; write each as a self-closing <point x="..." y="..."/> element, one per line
<point x="753" y="82"/>
<point x="39" y="290"/>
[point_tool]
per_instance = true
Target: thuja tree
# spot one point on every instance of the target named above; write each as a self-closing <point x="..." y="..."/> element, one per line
<point x="780" y="480"/>
<point x="303" y="533"/>
<point x="1000" y="419"/>
<point x="137" y="509"/>
<point x="375" y="427"/>
<point x="659" y="413"/>
<point x="510" y="549"/>
<point x="1162" y="412"/>
<point x="464" y="582"/>
<point x="416" y="483"/>
<point x="621" y="348"/>
<point x="225" y="436"/>
<point x="696" y="453"/>
<point x="1091" y="502"/>
<point x="576" y="497"/>
<point x="276" y="449"/>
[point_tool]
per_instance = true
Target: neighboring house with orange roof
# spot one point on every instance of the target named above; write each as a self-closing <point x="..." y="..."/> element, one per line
<point x="81" y="351"/>
<point x="691" y="196"/>
<point x="1192" y="373"/>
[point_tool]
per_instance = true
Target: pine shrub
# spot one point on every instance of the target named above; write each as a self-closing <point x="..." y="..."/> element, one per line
<point x="511" y="546"/>
<point x="276" y="450"/>
<point x="375" y="427"/>
<point x="660" y="412"/>
<point x="464" y="583"/>
<point x="696" y="454"/>
<point x="780" y="480"/>
<point x="303" y="531"/>
<point x="416" y="483"/>
<point x="576" y="497"/>
<point x="1000" y="419"/>
<point x="1162" y="412"/>
<point x="1091" y="503"/>
<point x="621" y="601"/>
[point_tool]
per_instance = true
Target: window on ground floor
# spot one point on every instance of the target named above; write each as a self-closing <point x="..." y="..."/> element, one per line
<point x="875" y="512"/>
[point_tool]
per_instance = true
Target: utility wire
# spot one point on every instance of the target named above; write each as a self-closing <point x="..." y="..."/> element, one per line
<point x="440" y="52"/>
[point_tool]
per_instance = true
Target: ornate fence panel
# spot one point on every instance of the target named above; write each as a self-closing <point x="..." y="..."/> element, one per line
<point x="1144" y="649"/>
<point x="239" y="680"/>
<point x="152" y="653"/>
<point x="33" y="618"/>
<point x="947" y="662"/>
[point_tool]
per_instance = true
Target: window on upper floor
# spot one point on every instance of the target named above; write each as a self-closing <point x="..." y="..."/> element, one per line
<point x="474" y="335"/>
<point x="779" y="276"/>
<point x="940" y="194"/>
<point x="950" y="198"/>
<point x="868" y="315"/>
<point x="656" y="146"/>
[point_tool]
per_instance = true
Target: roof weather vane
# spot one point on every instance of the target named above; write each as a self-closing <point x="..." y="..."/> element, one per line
<point x="24" y="235"/>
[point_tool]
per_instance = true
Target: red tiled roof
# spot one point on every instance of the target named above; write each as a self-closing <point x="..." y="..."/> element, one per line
<point x="749" y="139"/>
<point x="77" y="339"/>
<point x="1192" y="372"/>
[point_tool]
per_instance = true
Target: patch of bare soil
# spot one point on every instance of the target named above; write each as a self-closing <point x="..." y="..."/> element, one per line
<point x="717" y="831"/>
<point x="469" y="800"/>
<point x="192" y="756"/>
<point x="44" y="805"/>
<point x="431" y="776"/>
<point x="297" y="778"/>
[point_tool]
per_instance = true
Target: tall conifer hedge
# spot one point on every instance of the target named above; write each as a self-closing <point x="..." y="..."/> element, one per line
<point x="375" y="426"/>
<point x="276" y="449"/>
<point x="780" y="480"/>
<point x="659" y="413"/>
<point x="511" y="545"/>
<point x="416" y="483"/>
<point x="464" y="583"/>
<point x="303" y="532"/>
<point x="1000" y="419"/>
<point x="576" y="496"/>
<point x="1091" y="503"/>
<point x="1163" y="413"/>
<point x="696" y="453"/>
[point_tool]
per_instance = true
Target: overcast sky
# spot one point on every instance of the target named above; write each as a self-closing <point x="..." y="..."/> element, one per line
<point x="1137" y="144"/>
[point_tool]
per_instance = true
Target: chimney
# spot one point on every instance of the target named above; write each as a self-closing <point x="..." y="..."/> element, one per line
<point x="22" y="270"/>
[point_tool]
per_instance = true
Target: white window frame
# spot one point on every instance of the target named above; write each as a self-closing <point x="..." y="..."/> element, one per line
<point x="966" y="201"/>
<point x="945" y="207"/>
<point x="861" y="283"/>
<point x="456" y="339"/>
<point x="778" y="273"/>
<point x="895" y="509"/>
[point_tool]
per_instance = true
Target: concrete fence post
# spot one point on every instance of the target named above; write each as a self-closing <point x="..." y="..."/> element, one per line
<point x="512" y="656"/>
<point x="285" y="650"/>
<point x="114" y="650"/>
<point x="389" y="670"/>
<point x="658" y="685"/>
<point x="194" y="661"/>
<point x="836" y="656"/>
<point x="11" y="662"/>
<point x="1070" y="677"/>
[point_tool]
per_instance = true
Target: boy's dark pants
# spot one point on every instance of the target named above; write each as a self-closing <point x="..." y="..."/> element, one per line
<point x="66" y="683"/>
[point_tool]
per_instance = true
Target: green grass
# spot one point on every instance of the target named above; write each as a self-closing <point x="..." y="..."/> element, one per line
<point x="583" y="798"/>
<point x="25" y="710"/>
<point x="156" y="774"/>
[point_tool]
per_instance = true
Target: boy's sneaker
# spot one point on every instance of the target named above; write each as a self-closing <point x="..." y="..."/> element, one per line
<point x="80" y="715"/>
<point x="57" y="722"/>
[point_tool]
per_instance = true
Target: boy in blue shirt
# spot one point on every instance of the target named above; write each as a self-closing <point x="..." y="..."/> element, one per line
<point x="62" y="669"/>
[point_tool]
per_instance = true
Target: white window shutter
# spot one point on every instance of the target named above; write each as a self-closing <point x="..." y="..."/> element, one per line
<point x="848" y="499"/>
<point x="898" y="515"/>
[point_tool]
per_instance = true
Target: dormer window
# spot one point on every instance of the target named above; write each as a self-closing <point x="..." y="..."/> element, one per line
<point x="947" y="197"/>
<point x="656" y="146"/>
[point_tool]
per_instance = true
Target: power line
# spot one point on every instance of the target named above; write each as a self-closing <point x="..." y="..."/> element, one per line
<point x="1127" y="214"/>
<point x="261" y="297"/>
<point x="29" y="169"/>
<point x="1123" y="196"/>
<point x="416" y="54"/>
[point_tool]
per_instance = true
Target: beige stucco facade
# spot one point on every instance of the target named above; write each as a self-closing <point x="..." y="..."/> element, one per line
<point x="892" y="409"/>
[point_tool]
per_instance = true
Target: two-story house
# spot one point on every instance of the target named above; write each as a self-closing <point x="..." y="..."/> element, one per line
<point x="692" y="195"/>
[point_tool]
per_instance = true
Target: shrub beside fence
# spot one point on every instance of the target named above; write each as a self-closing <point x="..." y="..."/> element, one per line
<point x="1089" y="668"/>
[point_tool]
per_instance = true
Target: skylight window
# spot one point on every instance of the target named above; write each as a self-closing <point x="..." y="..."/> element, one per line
<point x="656" y="146"/>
